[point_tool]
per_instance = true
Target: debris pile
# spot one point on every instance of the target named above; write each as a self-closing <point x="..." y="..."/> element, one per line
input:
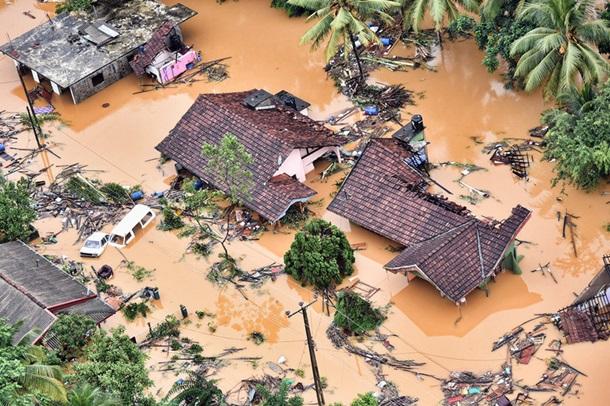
<point x="10" y="125"/>
<point x="467" y="388"/>
<point x="559" y="377"/>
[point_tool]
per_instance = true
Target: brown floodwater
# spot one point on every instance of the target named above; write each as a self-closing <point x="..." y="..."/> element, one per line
<point x="460" y="101"/>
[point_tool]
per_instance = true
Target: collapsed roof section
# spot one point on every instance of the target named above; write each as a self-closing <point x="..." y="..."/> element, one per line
<point x="34" y="291"/>
<point x="72" y="46"/>
<point x="269" y="133"/>
<point x="445" y="244"/>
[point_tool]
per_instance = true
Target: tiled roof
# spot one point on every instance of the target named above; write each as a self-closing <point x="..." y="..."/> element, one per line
<point x="451" y="248"/>
<point x="577" y="326"/>
<point x="32" y="290"/>
<point x="268" y="135"/>
<point x="151" y="49"/>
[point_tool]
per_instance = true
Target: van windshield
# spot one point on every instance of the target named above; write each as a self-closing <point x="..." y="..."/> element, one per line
<point x="92" y="244"/>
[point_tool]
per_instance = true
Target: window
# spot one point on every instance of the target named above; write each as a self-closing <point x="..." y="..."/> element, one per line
<point x="97" y="79"/>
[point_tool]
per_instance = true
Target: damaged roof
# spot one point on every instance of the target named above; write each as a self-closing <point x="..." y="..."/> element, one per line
<point x="269" y="135"/>
<point x="72" y="46"/>
<point x="34" y="290"/>
<point x="450" y="248"/>
<point x="151" y="49"/>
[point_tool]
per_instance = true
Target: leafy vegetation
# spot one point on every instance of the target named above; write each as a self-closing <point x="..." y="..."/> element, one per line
<point x="170" y="220"/>
<point x="319" y="255"/>
<point x="366" y="399"/>
<point x="561" y="52"/>
<point x="579" y="141"/>
<point x="343" y="22"/>
<point x="73" y="5"/>
<point x="356" y="314"/>
<point x="170" y="327"/>
<point x="26" y="377"/>
<point x="115" y="193"/>
<point x="281" y="397"/>
<point x="139" y="272"/>
<point x="87" y="395"/>
<point x="114" y="364"/>
<point x="132" y="310"/>
<point x="72" y="332"/>
<point x="440" y="11"/>
<point x="461" y="27"/>
<point x="16" y="210"/>
<point x="293" y="11"/>
<point x="196" y="390"/>
<point x="84" y="189"/>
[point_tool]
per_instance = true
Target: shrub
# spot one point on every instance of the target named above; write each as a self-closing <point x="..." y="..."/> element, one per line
<point x="16" y="210"/>
<point x="319" y="255"/>
<point x="356" y="314"/>
<point x="72" y="333"/>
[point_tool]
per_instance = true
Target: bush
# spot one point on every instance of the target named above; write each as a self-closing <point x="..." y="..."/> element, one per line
<point x="580" y="141"/>
<point x="170" y="221"/>
<point x="16" y="210"/>
<point x="73" y="5"/>
<point x="462" y="26"/>
<point x="115" y="193"/>
<point x="72" y="333"/>
<point x="355" y="314"/>
<point x="170" y="327"/>
<point x="319" y="255"/>
<point x="366" y="399"/>
<point x="132" y="310"/>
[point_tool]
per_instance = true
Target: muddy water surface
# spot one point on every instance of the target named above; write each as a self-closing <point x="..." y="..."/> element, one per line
<point x="460" y="101"/>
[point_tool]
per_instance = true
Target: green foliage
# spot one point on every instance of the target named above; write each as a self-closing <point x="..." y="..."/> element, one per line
<point x="114" y="364"/>
<point x="319" y="255"/>
<point x="293" y="11"/>
<point x="170" y="327"/>
<point x="138" y="272"/>
<point x="440" y="11"/>
<point x="561" y="52"/>
<point x="195" y="349"/>
<point x="229" y="161"/>
<point x="496" y="33"/>
<point x="73" y="5"/>
<point x="83" y="189"/>
<point x="462" y="27"/>
<point x="196" y="390"/>
<point x="26" y="377"/>
<point x="132" y="310"/>
<point x="580" y="141"/>
<point x="366" y="399"/>
<point x="604" y="45"/>
<point x="115" y="193"/>
<point x="279" y="398"/>
<point x="170" y="221"/>
<point x="356" y="314"/>
<point x="87" y="395"/>
<point x="16" y="210"/>
<point x="72" y="333"/>
<point x="343" y="22"/>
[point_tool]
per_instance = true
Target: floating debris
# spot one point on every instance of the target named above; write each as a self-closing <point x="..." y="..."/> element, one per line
<point x="467" y="388"/>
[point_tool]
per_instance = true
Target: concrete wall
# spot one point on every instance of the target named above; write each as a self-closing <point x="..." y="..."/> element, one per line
<point x="112" y="73"/>
<point x="300" y="162"/>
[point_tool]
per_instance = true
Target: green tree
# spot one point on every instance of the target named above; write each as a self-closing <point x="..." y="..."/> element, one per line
<point x="115" y="365"/>
<point x="196" y="391"/>
<point x="440" y="11"/>
<point x="366" y="399"/>
<point x="25" y="375"/>
<point x="228" y="161"/>
<point x="281" y="397"/>
<point x="356" y="314"/>
<point x="16" y="210"/>
<point x="319" y="255"/>
<point x="561" y="52"/>
<point x="343" y="22"/>
<point x="579" y="141"/>
<point x="72" y="333"/>
<point x="87" y="395"/>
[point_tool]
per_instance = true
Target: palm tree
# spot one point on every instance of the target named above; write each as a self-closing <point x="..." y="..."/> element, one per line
<point x="196" y="391"/>
<point x="490" y="9"/>
<point x="415" y="11"/>
<point x="40" y="377"/>
<point x="560" y="52"/>
<point x="87" y="395"/>
<point x="344" y="22"/>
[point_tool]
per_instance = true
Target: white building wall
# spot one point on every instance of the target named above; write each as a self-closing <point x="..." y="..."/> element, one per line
<point x="299" y="164"/>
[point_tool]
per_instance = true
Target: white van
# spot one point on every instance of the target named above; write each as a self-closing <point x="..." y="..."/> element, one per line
<point x="138" y="218"/>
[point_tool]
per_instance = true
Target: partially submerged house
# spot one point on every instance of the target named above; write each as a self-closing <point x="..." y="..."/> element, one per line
<point x="85" y="52"/>
<point x="443" y="243"/>
<point x="588" y="317"/>
<point x="284" y="145"/>
<point x="34" y="292"/>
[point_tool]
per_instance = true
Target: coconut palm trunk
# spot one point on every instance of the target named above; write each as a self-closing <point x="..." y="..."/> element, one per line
<point x="355" y="49"/>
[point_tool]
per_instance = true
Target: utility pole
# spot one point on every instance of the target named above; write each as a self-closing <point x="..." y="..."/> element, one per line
<point x="31" y="113"/>
<point x="312" y="352"/>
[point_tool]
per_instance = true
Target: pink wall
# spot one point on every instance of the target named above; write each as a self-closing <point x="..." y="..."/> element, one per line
<point x="170" y="71"/>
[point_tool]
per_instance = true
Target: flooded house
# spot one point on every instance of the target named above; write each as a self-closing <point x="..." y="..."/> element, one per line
<point x="588" y="317"/>
<point x="34" y="292"/>
<point x="283" y="143"/>
<point x="443" y="242"/>
<point x="84" y="52"/>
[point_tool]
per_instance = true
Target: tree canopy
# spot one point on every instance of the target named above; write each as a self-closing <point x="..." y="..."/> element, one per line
<point x="279" y="398"/>
<point x="579" y="141"/>
<point x="196" y="390"/>
<point x="72" y="333"/>
<point x="561" y="52"/>
<point x="16" y="210"/>
<point x="440" y="11"/>
<point x="319" y="255"/>
<point x="114" y="364"/>
<point x="356" y="314"/>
